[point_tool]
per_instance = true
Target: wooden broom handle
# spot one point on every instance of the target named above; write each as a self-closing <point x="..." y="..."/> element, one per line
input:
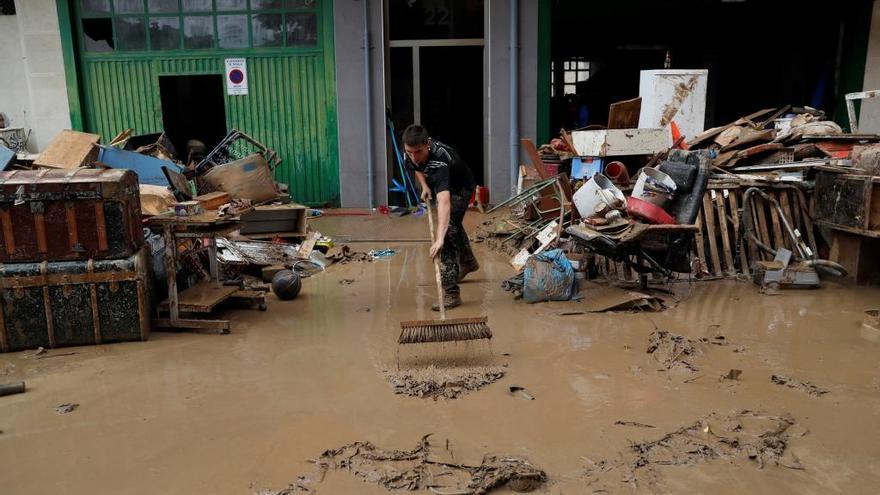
<point x="436" y="265"/>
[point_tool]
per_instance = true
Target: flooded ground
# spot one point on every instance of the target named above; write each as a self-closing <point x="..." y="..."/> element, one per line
<point x="240" y="413"/>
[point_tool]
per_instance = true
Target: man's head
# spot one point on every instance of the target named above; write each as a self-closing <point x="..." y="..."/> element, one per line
<point x="416" y="143"/>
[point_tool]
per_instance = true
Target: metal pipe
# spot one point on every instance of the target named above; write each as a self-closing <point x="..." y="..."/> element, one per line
<point x="11" y="388"/>
<point x="368" y="92"/>
<point x="514" y="94"/>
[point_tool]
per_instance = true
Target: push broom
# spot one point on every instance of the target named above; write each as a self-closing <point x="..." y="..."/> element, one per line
<point x="442" y="330"/>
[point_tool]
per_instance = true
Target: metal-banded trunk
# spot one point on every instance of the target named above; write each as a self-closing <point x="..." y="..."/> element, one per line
<point x="79" y="214"/>
<point x="66" y="303"/>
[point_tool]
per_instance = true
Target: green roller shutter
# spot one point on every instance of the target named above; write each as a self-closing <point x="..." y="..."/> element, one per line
<point x="291" y="100"/>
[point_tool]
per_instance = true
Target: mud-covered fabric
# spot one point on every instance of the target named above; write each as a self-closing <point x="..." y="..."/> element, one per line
<point x="456" y="246"/>
<point x="548" y="276"/>
<point x="444" y="170"/>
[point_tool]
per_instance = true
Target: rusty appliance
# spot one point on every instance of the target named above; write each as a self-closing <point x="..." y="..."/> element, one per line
<point x="67" y="303"/>
<point x="69" y="215"/>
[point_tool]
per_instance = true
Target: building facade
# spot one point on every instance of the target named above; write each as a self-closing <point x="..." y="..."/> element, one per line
<point x="321" y="81"/>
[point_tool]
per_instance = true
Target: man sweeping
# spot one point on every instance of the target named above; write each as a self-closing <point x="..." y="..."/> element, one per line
<point x="442" y="173"/>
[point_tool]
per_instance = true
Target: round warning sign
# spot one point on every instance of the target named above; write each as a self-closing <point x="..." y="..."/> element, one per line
<point x="236" y="76"/>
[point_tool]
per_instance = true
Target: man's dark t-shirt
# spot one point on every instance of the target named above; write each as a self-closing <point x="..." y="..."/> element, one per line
<point x="444" y="170"/>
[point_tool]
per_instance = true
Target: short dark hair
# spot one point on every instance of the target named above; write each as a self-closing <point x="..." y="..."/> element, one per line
<point x="415" y="135"/>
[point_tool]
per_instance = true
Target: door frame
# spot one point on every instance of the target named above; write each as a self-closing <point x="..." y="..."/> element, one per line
<point x="416" y="46"/>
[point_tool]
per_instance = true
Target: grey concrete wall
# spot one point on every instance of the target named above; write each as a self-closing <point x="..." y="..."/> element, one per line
<point x="33" y="91"/>
<point x="348" y="20"/>
<point x="869" y="118"/>
<point x="499" y="168"/>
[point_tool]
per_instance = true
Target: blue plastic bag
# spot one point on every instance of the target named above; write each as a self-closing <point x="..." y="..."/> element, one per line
<point x="548" y="276"/>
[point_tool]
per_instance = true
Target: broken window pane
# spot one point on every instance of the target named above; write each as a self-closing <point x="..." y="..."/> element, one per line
<point x="95" y="6"/>
<point x="128" y="6"/>
<point x="299" y="4"/>
<point x="583" y="76"/>
<point x="197" y="5"/>
<point x="98" y="35"/>
<point x="570" y="89"/>
<point x="302" y="29"/>
<point x="231" y="4"/>
<point x="232" y="31"/>
<point x="163" y="6"/>
<point x="266" y="29"/>
<point x="131" y="33"/>
<point x="265" y="4"/>
<point x="198" y="32"/>
<point x="164" y="33"/>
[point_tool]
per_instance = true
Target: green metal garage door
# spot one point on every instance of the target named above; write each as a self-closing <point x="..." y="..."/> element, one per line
<point x="124" y="46"/>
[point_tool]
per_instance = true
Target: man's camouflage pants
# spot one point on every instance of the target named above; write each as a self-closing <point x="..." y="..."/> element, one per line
<point x="456" y="250"/>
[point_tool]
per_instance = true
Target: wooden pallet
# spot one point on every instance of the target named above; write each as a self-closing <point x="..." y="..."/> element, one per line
<point x="720" y="249"/>
<point x="725" y="251"/>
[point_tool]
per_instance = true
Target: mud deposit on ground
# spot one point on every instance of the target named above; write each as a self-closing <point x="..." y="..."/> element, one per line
<point x="676" y="351"/>
<point x="423" y="468"/>
<point x="439" y="382"/>
<point x="805" y="387"/>
<point x="190" y="413"/>
<point x="742" y="437"/>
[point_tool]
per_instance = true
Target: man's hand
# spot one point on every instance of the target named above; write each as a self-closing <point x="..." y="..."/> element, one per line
<point x="426" y="194"/>
<point x="436" y="248"/>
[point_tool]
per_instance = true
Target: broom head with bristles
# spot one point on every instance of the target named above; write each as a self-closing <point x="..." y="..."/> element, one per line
<point x="449" y="330"/>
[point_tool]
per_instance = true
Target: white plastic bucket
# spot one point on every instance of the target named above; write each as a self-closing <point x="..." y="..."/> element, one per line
<point x="654" y="187"/>
<point x="598" y="196"/>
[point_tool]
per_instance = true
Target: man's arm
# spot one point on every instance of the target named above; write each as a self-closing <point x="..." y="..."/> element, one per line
<point x="423" y="184"/>
<point x="444" y="210"/>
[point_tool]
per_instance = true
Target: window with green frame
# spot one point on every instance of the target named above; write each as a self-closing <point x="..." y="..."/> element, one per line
<point x="159" y="25"/>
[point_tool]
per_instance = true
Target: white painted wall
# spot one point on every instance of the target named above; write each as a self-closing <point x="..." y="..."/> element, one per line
<point x="33" y="91"/>
<point x="869" y="118"/>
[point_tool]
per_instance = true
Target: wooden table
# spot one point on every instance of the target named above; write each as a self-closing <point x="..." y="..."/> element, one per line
<point x="206" y="295"/>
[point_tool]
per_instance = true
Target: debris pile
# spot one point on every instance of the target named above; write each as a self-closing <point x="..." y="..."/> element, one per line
<point x="419" y="469"/>
<point x="741" y="436"/>
<point x="673" y="350"/>
<point x="447" y="383"/>
<point x="806" y="387"/>
<point x="636" y="207"/>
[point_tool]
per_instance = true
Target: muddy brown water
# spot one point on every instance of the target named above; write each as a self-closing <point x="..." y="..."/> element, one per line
<point x="234" y="414"/>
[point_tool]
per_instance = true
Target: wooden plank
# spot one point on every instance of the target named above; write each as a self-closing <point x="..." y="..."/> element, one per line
<point x="529" y="146"/>
<point x="754" y="252"/>
<point x="740" y="242"/>
<point x="779" y="237"/>
<point x="761" y="213"/>
<point x="786" y="210"/>
<point x="698" y="239"/>
<point x="218" y="326"/>
<point x="214" y="200"/>
<point x="201" y="298"/>
<point x="857" y="254"/>
<point x="625" y="114"/>
<point x="852" y="230"/>
<point x="725" y="234"/>
<point x="282" y="235"/>
<point x="709" y="215"/>
<point x="70" y="149"/>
